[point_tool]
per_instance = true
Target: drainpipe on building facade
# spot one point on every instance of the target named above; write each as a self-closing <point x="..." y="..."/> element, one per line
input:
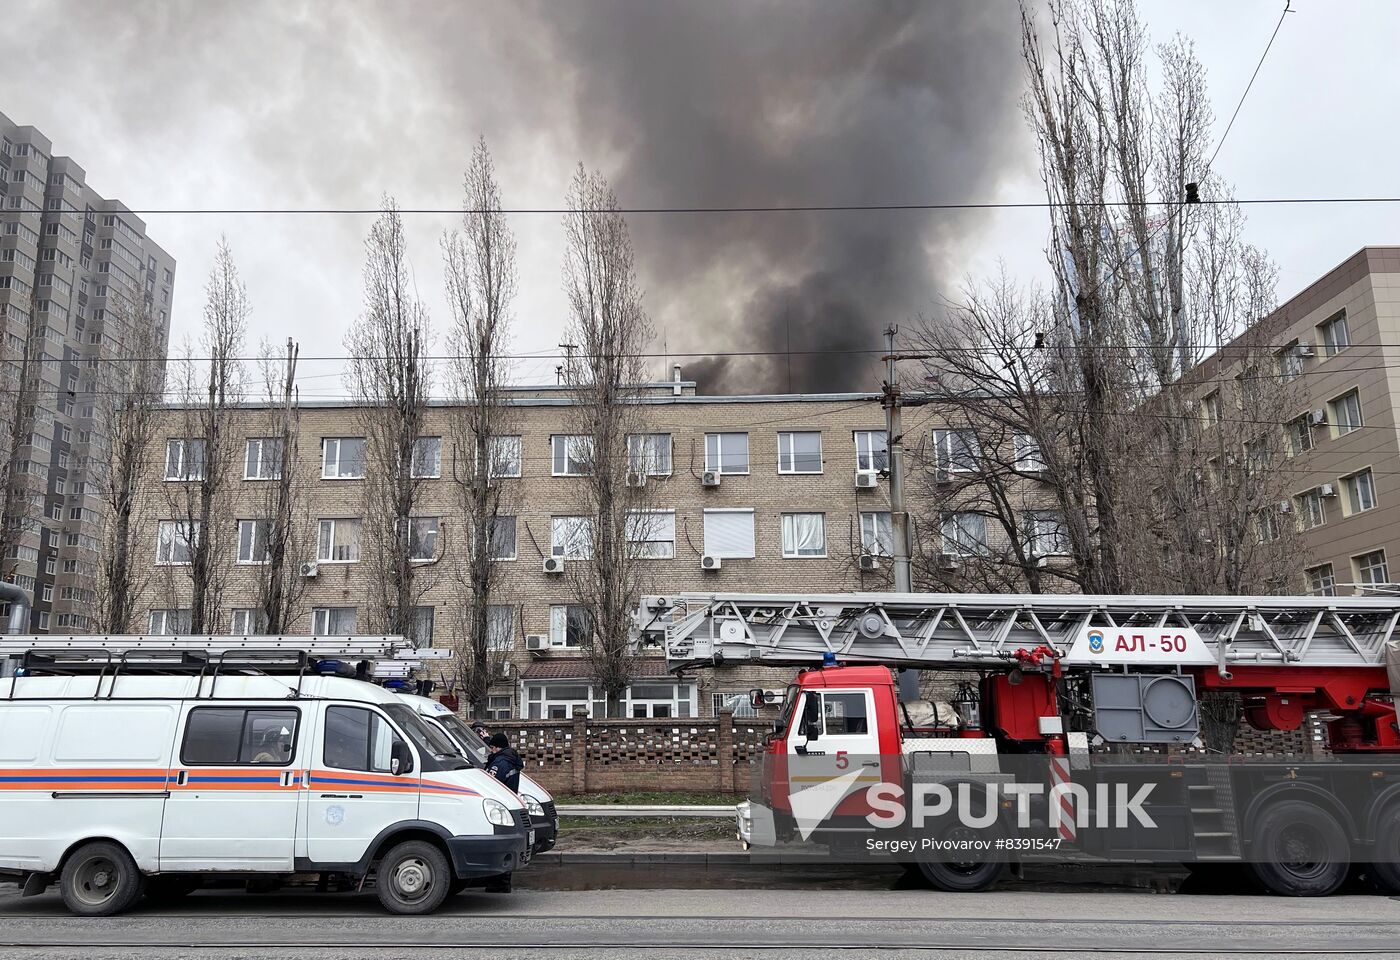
<point x="20" y="605"/>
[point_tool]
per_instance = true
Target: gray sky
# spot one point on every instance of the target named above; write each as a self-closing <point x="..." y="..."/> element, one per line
<point x="331" y="103"/>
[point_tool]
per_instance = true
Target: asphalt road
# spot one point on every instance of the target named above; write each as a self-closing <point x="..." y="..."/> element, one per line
<point x="710" y="923"/>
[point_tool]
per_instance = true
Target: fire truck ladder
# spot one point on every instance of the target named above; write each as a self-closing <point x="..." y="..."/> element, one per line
<point x="967" y="630"/>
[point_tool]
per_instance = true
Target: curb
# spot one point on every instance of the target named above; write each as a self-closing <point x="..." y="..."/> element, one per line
<point x="675" y="858"/>
<point x="717" y="811"/>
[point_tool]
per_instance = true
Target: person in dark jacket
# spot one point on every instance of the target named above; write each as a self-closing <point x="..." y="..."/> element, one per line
<point x="504" y="763"/>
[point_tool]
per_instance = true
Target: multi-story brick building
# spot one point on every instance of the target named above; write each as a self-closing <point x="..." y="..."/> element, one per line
<point x="71" y="264"/>
<point x="782" y="493"/>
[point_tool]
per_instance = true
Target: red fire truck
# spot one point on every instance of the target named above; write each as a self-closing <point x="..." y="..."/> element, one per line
<point x="1073" y="680"/>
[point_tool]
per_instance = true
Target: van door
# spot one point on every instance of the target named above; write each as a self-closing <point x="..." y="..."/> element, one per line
<point x="234" y="793"/>
<point x="353" y="793"/>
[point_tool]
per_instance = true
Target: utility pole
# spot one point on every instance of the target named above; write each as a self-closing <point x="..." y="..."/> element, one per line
<point x="899" y="517"/>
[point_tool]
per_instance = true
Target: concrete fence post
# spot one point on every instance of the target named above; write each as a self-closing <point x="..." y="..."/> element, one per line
<point x="580" y="750"/>
<point x="728" y="761"/>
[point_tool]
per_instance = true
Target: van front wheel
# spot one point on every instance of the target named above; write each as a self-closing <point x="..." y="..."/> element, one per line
<point x="100" y="879"/>
<point x="413" y="878"/>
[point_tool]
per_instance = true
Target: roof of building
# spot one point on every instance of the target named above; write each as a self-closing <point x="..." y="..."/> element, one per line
<point x="578" y="668"/>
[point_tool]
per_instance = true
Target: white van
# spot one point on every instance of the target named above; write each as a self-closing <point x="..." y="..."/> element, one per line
<point x="544" y="816"/>
<point x="151" y="784"/>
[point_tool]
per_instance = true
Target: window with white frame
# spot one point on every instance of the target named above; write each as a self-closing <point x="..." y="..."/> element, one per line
<point x="505" y="456"/>
<point x="872" y="451"/>
<point x="1029" y="457"/>
<point x="498" y="706"/>
<point x="422" y="628"/>
<point x="342" y="458"/>
<point x="649" y="454"/>
<point x="964" y="533"/>
<point x="572" y="455"/>
<point x="1300" y="436"/>
<point x="427" y="458"/>
<point x="1046" y="535"/>
<point x="1360" y="490"/>
<point x="170" y="622"/>
<point x="420" y="536"/>
<point x="175" y="541"/>
<point x="800" y="451"/>
<point x="653" y="532"/>
<point x="570" y="625"/>
<point x="501" y="539"/>
<point x="558" y="700"/>
<point x="1346" y="413"/>
<point x="1210" y="408"/>
<point x="877" y="533"/>
<point x="1322" y="581"/>
<point x="1312" y="512"/>
<point x="1334" y="334"/>
<point x="736" y="702"/>
<point x="334" y="621"/>
<point x="804" y="535"/>
<point x="727" y="452"/>
<point x="729" y="532"/>
<point x="263" y="459"/>
<point x="571" y="538"/>
<point x="500" y="627"/>
<point x="184" y="459"/>
<point x="339" y="540"/>
<point x="247" y="622"/>
<point x="956" y="451"/>
<point x="1371" y="568"/>
<point x="253" y="541"/>
<point x="659" y="699"/>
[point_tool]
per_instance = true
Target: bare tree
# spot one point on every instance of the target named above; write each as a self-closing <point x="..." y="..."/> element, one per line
<point x="22" y="493"/>
<point x="129" y="399"/>
<point x="206" y="454"/>
<point x="481" y="283"/>
<point x="390" y="381"/>
<point x="610" y="329"/>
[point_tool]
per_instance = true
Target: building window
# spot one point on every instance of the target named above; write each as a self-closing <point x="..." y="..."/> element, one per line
<point x="1360" y="492"/>
<point x="1371" y="568"/>
<point x="339" y="541"/>
<point x="247" y="622"/>
<point x="51" y="566"/>
<point x="342" y="458"/>
<point x="653" y="532"/>
<point x="422" y="627"/>
<point x="557" y="701"/>
<point x="175" y="539"/>
<point x="46" y="595"/>
<point x="502" y="538"/>
<point x="956" y="451"/>
<point x="252" y="541"/>
<point x="1321" y="581"/>
<point x="1334" y="335"/>
<point x="421" y="535"/>
<point x="333" y="621"/>
<point x="1266" y="525"/>
<point x="572" y="455"/>
<point x="570" y="625"/>
<point x="1300" y="438"/>
<point x="571" y="537"/>
<point x="804" y="535"/>
<point x="649" y="701"/>
<point x="736" y="702"/>
<point x="170" y="622"/>
<point x="649" y="454"/>
<point x="1289" y="362"/>
<point x="1046" y="534"/>
<point x="505" y="456"/>
<point x="1312" y="512"/>
<point x="729" y="533"/>
<point x="1346" y="413"/>
<point x="727" y="452"/>
<point x="500" y="627"/>
<point x="1210" y="408"/>
<point x="872" y="451"/>
<point x="427" y="458"/>
<point x="964" y="533"/>
<point x="1029" y="458"/>
<point x="498" y="707"/>
<point x="184" y="458"/>
<point x="800" y="452"/>
<point x="877" y="533"/>
<point x="263" y="460"/>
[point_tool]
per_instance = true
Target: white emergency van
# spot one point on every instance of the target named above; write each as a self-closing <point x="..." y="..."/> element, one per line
<point x="544" y="815"/>
<point x="117" y="784"/>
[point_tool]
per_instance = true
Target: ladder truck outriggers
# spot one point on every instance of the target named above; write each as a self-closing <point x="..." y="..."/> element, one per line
<point x="1101" y="695"/>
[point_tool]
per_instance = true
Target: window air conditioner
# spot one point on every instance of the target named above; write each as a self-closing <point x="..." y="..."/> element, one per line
<point x="636" y="478"/>
<point x="949" y="561"/>
<point x="867" y="480"/>
<point x="536" y="641"/>
<point x="708" y="562"/>
<point x="309" y="568"/>
<point x="710" y="478"/>
<point x="1326" y="490"/>
<point x="868" y="561"/>
<point x="1303" y="349"/>
<point x="1318" y="417"/>
<point x="1284" y="506"/>
<point x="553" y="565"/>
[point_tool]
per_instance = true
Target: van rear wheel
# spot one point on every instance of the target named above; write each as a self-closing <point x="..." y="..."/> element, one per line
<point x="413" y="878"/>
<point x="99" y="879"/>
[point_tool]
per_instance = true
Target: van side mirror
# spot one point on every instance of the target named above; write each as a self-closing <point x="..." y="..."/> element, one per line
<point x="400" y="758"/>
<point x="756" y="698"/>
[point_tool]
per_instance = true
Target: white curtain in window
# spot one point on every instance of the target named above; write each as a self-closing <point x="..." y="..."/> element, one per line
<point x="804" y="534"/>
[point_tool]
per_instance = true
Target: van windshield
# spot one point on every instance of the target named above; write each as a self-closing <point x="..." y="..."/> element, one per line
<point x="429" y="740"/>
<point x="465" y="736"/>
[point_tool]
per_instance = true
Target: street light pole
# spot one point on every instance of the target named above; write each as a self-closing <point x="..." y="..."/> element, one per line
<point x="899" y="517"/>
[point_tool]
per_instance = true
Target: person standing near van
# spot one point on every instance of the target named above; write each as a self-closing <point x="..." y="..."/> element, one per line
<point x="504" y="764"/>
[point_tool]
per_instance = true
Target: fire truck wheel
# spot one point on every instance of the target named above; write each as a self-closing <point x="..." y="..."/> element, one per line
<point x="1299" y="850"/>
<point x="960" y="876"/>
<point x="1384" y="872"/>
<point x="100" y="879"/>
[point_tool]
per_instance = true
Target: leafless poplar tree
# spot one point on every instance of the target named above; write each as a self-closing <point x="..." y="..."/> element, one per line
<point x="610" y="329"/>
<point x="390" y="381"/>
<point x="203" y="460"/>
<point x="22" y="493"/>
<point x="481" y="283"/>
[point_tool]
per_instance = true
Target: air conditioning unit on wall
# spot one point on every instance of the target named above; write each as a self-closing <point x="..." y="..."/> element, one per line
<point x="536" y="641"/>
<point x="553" y="565"/>
<point x="710" y="478"/>
<point x="867" y="480"/>
<point x="708" y="562"/>
<point x="869" y="561"/>
<point x="309" y="568"/>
